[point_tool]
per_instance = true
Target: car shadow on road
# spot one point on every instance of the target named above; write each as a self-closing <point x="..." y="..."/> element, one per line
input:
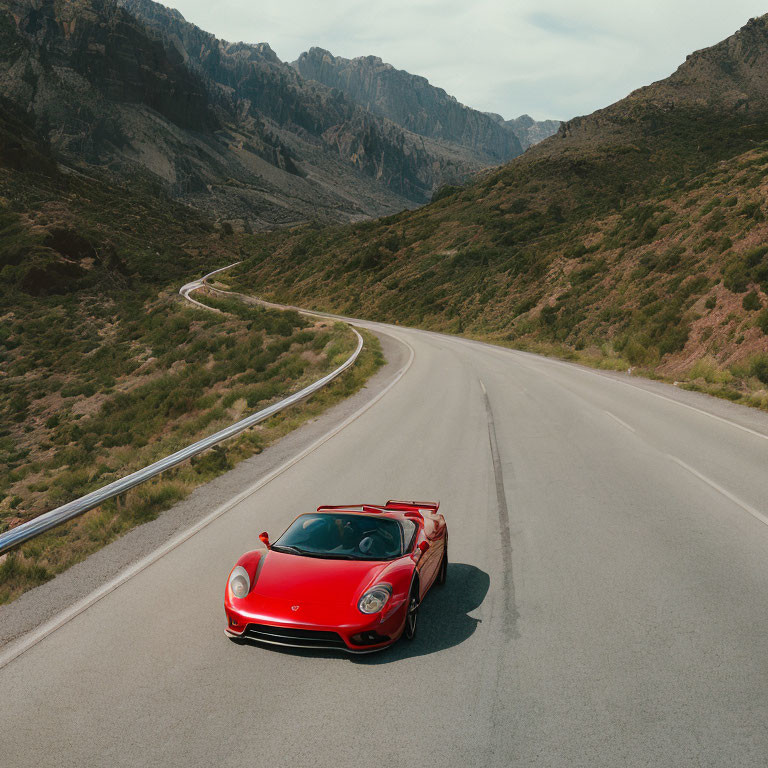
<point x="444" y="619"/>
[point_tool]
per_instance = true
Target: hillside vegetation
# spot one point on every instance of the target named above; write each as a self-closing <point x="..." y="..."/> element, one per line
<point x="105" y="368"/>
<point x="634" y="237"/>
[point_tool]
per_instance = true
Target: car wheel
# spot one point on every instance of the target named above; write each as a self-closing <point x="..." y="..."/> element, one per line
<point x="413" y="613"/>
<point x="442" y="574"/>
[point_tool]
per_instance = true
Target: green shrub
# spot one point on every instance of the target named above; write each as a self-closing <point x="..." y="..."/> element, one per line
<point x="752" y="211"/>
<point x="724" y="244"/>
<point x="447" y="190"/>
<point x="716" y="221"/>
<point x="525" y="305"/>
<point x="754" y="256"/>
<point x="751" y="302"/>
<point x="11" y="568"/>
<point x="736" y="277"/>
<point x="211" y="463"/>
<point x="637" y="353"/>
<point x="86" y="388"/>
<point x="759" y="368"/>
<point x="706" y="368"/>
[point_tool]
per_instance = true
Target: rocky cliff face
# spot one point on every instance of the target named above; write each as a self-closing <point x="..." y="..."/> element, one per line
<point x="258" y="85"/>
<point x="130" y="86"/>
<point x="411" y="102"/>
<point x="64" y="60"/>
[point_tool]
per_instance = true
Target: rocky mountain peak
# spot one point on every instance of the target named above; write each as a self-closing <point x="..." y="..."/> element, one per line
<point x="266" y="52"/>
<point x="724" y="87"/>
<point x="414" y="103"/>
<point x="411" y="102"/>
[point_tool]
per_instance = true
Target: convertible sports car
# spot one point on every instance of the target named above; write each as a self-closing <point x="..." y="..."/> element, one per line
<point x="347" y="577"/>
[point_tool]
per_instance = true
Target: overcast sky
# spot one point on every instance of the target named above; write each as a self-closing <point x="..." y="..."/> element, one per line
<point x="549" y="58"/>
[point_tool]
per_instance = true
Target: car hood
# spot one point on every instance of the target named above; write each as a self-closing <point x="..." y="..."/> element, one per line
<point x="283" y="576"/>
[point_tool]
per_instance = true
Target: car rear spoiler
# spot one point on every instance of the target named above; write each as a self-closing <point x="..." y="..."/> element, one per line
<point x="415" y="506"/>
<point x="392" y="504"/>
<point x="351" y="508"/>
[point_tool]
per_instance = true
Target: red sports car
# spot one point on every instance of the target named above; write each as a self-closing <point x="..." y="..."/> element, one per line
<point x="348" y="577"/>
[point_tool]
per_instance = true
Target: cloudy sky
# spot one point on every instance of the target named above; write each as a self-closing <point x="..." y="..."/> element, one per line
<point x="549" y="58"/>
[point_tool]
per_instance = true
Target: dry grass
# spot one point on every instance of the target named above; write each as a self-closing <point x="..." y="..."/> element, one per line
<point x="42" y="558"/>
<point x="672" y="282"/>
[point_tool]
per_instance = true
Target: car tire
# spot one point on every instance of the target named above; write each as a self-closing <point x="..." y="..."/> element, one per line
<point x="442" y="574"/>
<point x="412" y="614"/>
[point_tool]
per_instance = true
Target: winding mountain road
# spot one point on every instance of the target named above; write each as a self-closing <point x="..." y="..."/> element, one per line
<point x="605" y="605"/>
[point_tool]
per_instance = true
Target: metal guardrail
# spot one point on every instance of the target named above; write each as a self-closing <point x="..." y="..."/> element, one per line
<point x="185" y="290"/>
<point x="72" y="509"/>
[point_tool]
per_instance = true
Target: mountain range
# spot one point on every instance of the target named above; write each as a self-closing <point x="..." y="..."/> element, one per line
<point x="129" y="87"/>
<point x="416" y="105"/>
<point x="632" y="237"/>
<point x="635" y="236"/>
<point x="528" y="130"/>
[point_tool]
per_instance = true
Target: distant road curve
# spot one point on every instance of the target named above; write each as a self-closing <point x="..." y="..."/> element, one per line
<point x="188" y="288"/>
<point x="55" y="517"/>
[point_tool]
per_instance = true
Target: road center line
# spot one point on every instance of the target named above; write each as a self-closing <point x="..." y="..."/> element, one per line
<point x="723" y="491"/>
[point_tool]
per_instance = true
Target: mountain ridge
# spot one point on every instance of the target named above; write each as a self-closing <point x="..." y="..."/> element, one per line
<point x="226" y="127"/>
<point x="632" y="237"/>
<point x="414" y="103"/>
<point x="410" y="101"/>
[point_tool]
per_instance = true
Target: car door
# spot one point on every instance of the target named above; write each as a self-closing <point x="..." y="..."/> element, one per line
<point x="429" y="563"/>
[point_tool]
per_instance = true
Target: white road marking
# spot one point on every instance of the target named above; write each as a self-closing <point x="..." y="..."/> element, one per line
<point x="573" y="366"/>
<point x="723" y="491"/>
<point x="15" y="650"/>
<point x="623" y="423"/>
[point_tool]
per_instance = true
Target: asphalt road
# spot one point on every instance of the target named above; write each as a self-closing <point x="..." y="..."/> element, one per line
<point x="605" y="605"/>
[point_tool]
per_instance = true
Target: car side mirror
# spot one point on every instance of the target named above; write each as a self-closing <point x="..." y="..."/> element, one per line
<point x="264" y="537"/>
<point x="424" y="546"/>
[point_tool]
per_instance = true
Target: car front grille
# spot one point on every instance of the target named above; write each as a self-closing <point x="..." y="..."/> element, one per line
<point x="303" y="638"/>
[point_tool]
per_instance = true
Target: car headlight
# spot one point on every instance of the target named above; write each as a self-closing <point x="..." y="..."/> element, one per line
<point x="239" y="581"/>
<point x="375" y="598"/>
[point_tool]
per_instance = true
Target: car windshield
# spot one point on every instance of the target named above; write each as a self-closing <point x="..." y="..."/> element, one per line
<point x="343" y="536"/>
